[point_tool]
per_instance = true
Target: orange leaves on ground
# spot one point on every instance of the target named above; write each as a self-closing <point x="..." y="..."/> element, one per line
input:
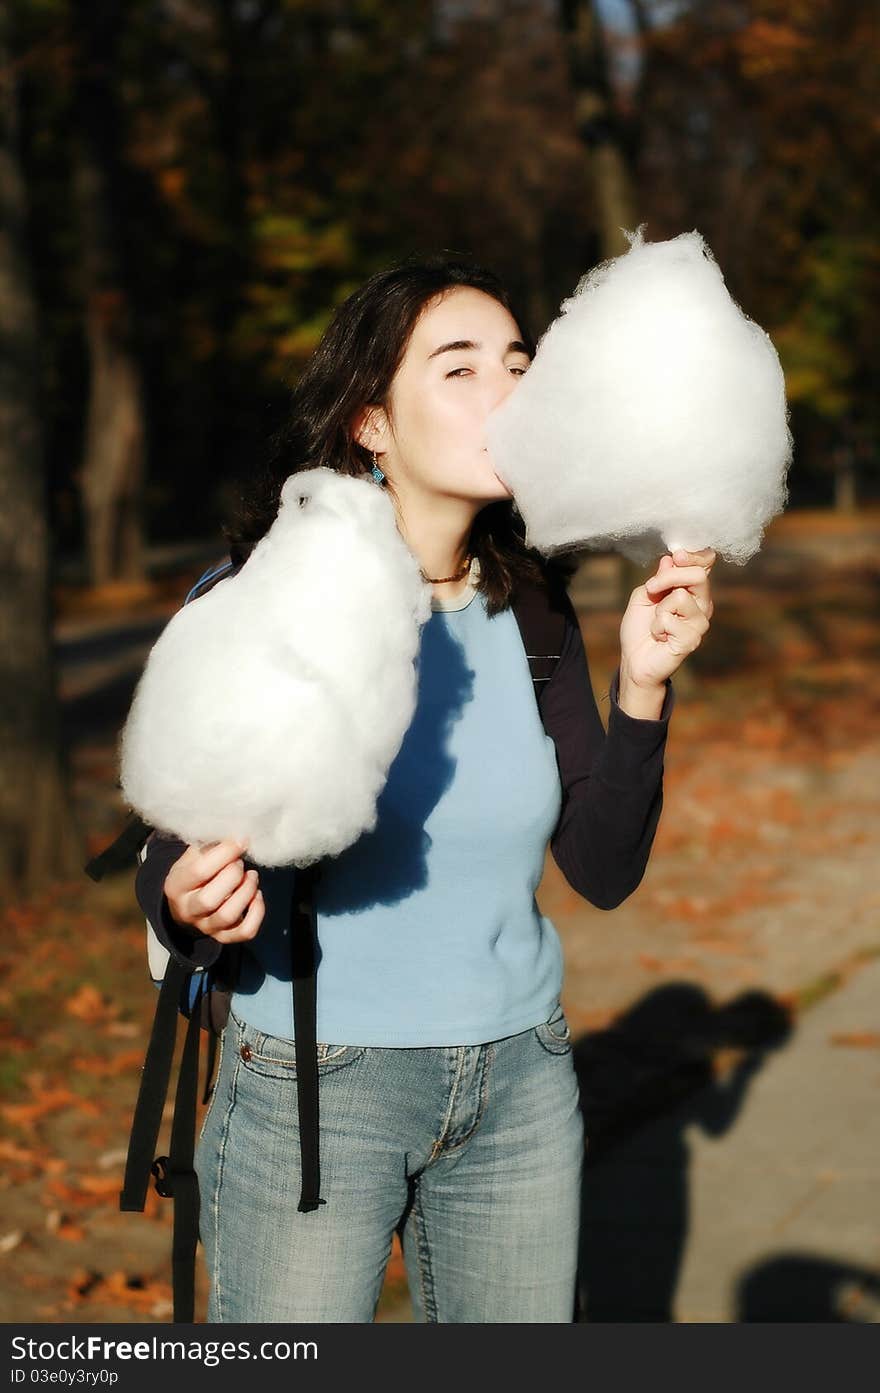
<point x="122" y="1030"/>
<point x="857" y="1039"/>
<point x="45" y="1098"/>
<point x="88" y="1005"/>
<point x="735" y="945"/>
<point x="107" y="1066"/>
<point x="764" y="731"/>
<point x="708" y="911"/>
<point x="584" y="1020"/>
<point x="25" y="1161"/>
<point x="27" y="1115"/>
<point x="725" y="814"/>
<point x="17" y="1155"/>
<point x="24" y="918"/>
<point x="90" y="1190"/>
<point x="692" y="968"/>
<point x="651" y="963"/>
<point x="63" y="1227"/>
<point x="133" y="1293"/>
<point x="10" y="1043"/>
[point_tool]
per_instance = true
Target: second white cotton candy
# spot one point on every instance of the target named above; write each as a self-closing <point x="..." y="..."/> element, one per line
<point x="652" y="416"/>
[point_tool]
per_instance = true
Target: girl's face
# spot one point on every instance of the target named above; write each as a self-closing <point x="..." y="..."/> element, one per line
<point x="464" y="356"/>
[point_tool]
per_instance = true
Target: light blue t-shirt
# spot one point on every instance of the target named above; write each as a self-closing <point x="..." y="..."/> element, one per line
<point x="428" y="928"/>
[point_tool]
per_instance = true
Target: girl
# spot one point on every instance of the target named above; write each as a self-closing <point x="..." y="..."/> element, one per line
<point x="449" y="1102"/>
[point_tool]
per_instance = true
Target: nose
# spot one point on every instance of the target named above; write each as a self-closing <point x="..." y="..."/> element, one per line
<point x="508" y="383"/>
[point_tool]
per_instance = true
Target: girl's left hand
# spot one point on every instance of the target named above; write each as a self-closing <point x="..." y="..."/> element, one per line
<point x="666" y="618"/>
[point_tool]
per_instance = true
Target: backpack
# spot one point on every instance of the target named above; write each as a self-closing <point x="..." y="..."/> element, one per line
<point x="202" y="995"/>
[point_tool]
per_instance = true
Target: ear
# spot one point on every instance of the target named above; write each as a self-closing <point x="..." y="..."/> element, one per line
<point x="368" y="428"/>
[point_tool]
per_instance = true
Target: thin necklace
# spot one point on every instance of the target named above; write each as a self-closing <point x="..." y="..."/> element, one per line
<point x="441" y="580"/>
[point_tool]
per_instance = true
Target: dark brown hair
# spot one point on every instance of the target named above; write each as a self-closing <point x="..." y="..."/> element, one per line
<point x="352" y="367"/>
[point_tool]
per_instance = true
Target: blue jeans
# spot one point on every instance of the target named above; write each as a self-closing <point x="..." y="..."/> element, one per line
<point x="474" y="1151"/>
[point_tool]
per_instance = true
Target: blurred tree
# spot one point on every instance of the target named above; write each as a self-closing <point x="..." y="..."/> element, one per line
<point x="38" y="837"/>
<point x="600" y="126"/>
<point x="112" y="469"/>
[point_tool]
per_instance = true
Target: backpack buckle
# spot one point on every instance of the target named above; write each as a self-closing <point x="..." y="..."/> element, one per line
<point x="159" y="1169"/>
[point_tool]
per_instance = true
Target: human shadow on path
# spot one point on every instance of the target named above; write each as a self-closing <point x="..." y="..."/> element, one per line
<point x="643" y="1081"/>
<point x="803" y="1287"/>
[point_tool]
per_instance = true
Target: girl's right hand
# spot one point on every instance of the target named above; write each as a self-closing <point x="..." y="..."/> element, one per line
<point x="207" y="890"/>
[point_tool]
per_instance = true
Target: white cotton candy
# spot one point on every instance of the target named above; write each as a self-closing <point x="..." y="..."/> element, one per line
<point x="271" y="707"/>
<point x="653" y="415"/>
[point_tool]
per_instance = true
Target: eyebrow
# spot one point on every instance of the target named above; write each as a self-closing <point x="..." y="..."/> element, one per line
<point x="515" y="345"/>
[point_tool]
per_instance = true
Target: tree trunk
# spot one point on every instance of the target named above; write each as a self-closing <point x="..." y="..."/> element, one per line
<point x="844" y="461"/>
<point x="607" y="166"/>
<point x="111" y="477"/>
<point x="39" y="840"/>
<point x="608" y="170"/>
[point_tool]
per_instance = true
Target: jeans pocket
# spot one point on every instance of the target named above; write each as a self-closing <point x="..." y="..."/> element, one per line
<point x="555" y="1033"/>
<point x="271" y="1057"/>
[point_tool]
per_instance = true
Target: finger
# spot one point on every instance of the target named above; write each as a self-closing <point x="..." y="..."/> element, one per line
<point x="680" y="633"/>
<point x="230" y="912"/>
<point x="207" y="899"/>
<point x="676" y="575"/>
<point x="249" y="925"/>
<point x="211" y="858"/>
<point x="668" y="618"/>
<point x="685" y="603"/>
<point x="681" y="557"/>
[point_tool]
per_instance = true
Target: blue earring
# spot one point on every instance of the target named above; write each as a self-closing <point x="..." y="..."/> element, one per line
<point x="376" y="471"/>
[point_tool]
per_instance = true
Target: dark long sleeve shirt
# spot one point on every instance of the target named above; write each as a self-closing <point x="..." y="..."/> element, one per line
<point x="612" y="782"/>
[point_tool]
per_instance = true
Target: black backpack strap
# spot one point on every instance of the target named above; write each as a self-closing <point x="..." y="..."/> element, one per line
<point x="541" y="612"/>
<point x="153" y="1089"/>
<point x="174" y="1174"/>
<point x="303" y="960"/>
<point x="119" y="855"/>
<point x="176" y="1177"/>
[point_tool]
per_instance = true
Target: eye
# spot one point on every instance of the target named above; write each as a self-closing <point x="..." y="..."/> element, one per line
<point x="456" y="372"/>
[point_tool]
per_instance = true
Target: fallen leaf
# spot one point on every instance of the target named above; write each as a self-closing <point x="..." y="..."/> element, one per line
<point x="119" y="1289"/>
<point x="107" y="1066"/>
<point x="857" y="1039"/>
<point x="87" y="1004"/>
<point x="18" y="1155"/>
<point x="70" y="1231"/>
<point x="27" y="1114"/>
